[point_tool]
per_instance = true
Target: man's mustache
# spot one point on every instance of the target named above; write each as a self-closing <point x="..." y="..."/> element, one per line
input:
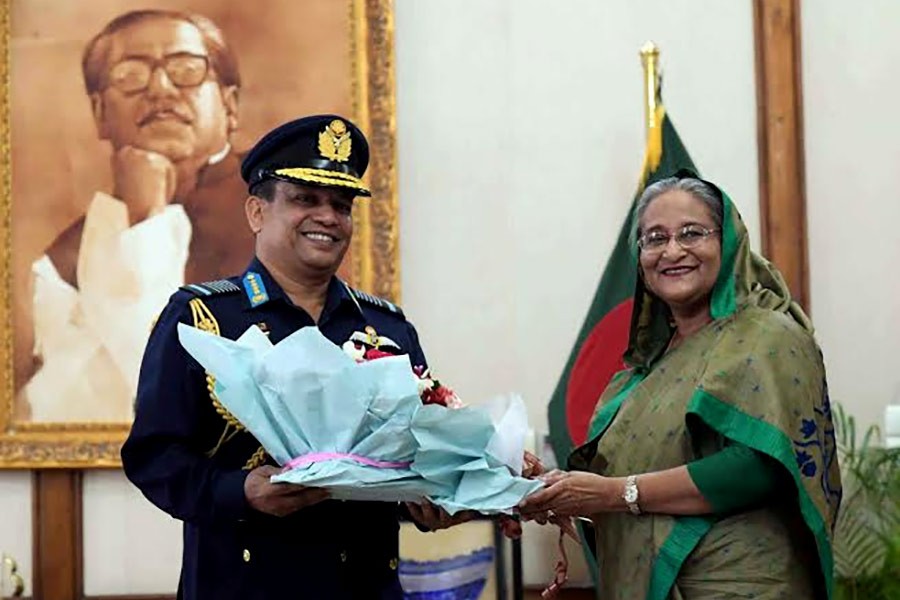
<point x="166" y="111"/>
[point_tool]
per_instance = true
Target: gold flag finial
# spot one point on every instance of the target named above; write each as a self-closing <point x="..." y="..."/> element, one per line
<point x="650" y="61"/>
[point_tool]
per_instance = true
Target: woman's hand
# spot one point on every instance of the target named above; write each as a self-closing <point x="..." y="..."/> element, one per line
<point x="572" y="494"/>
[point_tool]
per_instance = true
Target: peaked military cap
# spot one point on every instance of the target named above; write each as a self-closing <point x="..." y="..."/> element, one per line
<point x="322" y="150"/>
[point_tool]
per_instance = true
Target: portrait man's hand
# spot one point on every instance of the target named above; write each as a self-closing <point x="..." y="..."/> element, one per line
<point x="278" y="499"/>
<point x="144" y="180"/>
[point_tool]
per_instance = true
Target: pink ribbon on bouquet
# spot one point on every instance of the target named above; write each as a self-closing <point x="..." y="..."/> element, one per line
<point x="315" y="457"/>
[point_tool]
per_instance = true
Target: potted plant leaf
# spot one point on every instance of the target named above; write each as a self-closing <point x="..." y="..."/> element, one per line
<point x="867" y="531"/>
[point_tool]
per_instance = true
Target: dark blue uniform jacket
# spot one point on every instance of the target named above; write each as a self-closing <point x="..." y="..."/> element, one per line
<point x="189" y="461"/>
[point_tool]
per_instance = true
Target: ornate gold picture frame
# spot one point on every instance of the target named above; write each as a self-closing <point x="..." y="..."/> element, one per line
<point x="339" y="60"/>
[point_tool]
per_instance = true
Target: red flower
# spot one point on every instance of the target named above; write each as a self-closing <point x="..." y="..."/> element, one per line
<point x="375" y="353"/>
<point x="439" y="394"/>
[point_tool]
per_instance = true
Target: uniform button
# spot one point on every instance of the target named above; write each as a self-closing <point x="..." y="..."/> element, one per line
<point x="343" y="556"/>
<point x="246" y="555"/>
<point x="393" y="564"/>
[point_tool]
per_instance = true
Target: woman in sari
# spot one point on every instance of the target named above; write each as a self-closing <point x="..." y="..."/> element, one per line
<point x="711" y="469"/>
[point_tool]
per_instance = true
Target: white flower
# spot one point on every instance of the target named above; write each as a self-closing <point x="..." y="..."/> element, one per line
<point x="350" y="348"/>
<point x="424" y="384"/>
<point x="454" y="402"/>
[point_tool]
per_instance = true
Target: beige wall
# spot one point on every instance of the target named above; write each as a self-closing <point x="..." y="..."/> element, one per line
<point x="15" y="520"/>
<point x="850" y="86"/>
<point x="129" y="545"/>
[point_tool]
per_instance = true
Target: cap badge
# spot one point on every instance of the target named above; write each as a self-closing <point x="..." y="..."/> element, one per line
<point x="334" y="142"/>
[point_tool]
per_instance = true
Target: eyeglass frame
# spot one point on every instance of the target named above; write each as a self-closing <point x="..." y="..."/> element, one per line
<point x="707" y="232"/>
<point x="154" y="64"/>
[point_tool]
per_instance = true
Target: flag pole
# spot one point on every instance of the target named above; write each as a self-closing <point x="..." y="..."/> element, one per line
<point x="650" y="62"/>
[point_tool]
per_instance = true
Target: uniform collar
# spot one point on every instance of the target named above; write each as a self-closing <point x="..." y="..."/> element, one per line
<point x="260" y="288"/>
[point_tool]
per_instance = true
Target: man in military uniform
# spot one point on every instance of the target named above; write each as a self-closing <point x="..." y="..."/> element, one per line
<point x="245" y="537"/>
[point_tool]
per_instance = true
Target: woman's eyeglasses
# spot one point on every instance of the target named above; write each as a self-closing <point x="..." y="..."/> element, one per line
<point x="689" y="236"/>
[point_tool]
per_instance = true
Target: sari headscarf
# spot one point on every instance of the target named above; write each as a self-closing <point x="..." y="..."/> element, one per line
<point x="757" y="379"/>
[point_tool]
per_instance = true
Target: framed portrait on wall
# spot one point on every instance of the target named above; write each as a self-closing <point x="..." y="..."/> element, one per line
<point x="123" y="127"/>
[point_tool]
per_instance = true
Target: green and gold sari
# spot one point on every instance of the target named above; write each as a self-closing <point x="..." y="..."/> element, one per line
<point x="753" y="376"/>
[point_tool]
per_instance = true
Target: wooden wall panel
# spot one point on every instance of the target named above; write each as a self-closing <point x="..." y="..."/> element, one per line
<point x="57" y="545"/>
<point x="782" y="190"/>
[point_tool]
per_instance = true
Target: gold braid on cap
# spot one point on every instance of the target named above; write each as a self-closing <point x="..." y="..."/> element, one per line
<point x="323" y="177"/>
<point x="205" y="321"/>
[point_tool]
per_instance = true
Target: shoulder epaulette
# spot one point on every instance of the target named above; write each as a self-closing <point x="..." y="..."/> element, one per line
<point x="376" y="301"/>
<point x="212" y="288"/>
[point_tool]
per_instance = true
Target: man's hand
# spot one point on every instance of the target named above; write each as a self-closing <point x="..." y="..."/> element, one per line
<point x="278" y="499"/>
<point x="532" y="466"/>
<point x="510" y="527"/>
<point x="433" y="518"/>
<point x="145" y="181"/>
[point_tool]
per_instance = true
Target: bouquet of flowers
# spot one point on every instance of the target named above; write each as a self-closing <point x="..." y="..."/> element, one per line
<point x="366" y="427"/>
<point x="431" y="391"/>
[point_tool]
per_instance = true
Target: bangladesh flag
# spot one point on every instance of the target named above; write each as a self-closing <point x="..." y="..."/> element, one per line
<point x="603" y="339"/>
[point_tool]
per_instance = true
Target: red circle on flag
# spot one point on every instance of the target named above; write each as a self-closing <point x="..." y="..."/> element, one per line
<point x="599" y="359"/>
